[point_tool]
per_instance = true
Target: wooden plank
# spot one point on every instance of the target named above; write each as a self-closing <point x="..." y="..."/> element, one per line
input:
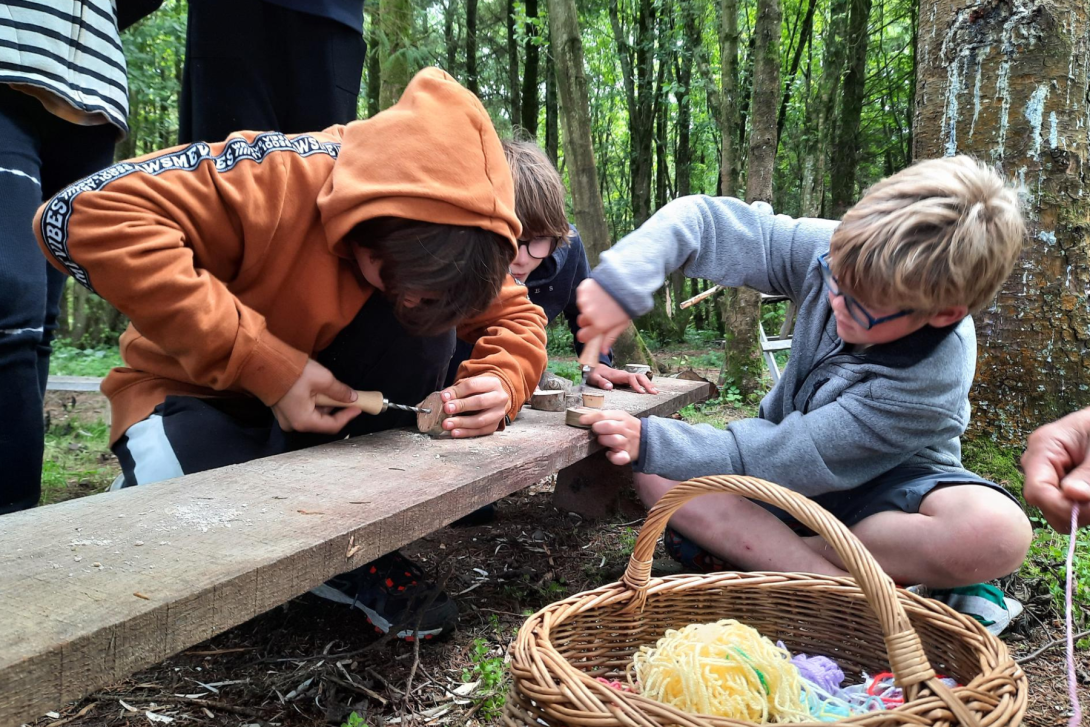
<point x="773" y="345"/>
<point x="73" y="383"/>
<point x="209" y="551"/>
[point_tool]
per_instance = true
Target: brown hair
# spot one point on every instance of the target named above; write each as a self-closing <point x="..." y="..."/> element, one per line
<point x="941" y="233"/>
<point x="458" y="269"/>
<point x="539" y="191"/>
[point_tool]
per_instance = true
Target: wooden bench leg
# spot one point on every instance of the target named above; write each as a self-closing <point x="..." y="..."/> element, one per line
<point x="593" y="488"/>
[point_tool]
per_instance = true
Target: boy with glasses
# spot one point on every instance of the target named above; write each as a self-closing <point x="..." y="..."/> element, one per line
<point x="867" y="417"/>
<point x="551" y="260"/>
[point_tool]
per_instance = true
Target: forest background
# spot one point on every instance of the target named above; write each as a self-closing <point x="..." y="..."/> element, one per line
<point x="800" y="103"/>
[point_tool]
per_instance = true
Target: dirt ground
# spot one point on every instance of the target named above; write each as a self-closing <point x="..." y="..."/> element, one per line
<point x="310" y="662"/>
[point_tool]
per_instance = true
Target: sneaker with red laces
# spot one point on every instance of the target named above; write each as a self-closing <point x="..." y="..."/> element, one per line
<point x="394" y="595"/>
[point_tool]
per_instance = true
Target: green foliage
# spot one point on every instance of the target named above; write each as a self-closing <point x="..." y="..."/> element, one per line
<point x="490" y="672"/>
<point x="74" y="464"/>
<point x="567" y="369"/>
<point x="994" y="462"/>
<point x="354" y="720"/>
<point x="68" y="360"/>
<point x="1046" y="566"/>
<point x="560" y="340"/>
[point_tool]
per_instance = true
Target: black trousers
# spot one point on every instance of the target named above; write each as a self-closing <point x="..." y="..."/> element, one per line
<point x="40" y="154"/>
<point x="373" y="353"/>
<point x="257" y="66"/>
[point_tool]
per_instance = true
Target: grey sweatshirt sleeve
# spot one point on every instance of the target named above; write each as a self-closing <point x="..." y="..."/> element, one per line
<point x="835" y="447"/>
<point x="716" y="238"/>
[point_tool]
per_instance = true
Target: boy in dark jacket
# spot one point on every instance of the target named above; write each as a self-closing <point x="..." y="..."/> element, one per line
<point x="551" y="260"/>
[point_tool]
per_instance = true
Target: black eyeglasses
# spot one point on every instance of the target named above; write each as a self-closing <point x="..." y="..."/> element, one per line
<point x="541" y="247"/>
<point x="858" y="313"/>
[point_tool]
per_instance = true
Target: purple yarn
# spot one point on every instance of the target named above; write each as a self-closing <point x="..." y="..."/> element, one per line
<point x="820" y="671"/>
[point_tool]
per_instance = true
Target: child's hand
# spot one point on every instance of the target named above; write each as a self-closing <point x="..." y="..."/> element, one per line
<point x="296" y="411"/>
<point x="599" y="314"/>
<point x="1057" y="467"/>
<point x="606" y="378"/>
<point x="482" y="395"/>
<point x="617" y="430"/>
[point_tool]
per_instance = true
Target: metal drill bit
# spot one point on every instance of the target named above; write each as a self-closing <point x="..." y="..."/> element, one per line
<point x="405" y="407"/>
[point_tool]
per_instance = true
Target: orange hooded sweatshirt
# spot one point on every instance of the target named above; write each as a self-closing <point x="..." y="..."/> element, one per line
<point x="228" y="258"/>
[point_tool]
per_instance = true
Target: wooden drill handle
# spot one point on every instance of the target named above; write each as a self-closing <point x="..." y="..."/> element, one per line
<point x="369" y="402"/>
<point x="592" y="349"/>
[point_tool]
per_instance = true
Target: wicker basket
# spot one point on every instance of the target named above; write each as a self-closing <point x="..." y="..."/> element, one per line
<point x="865" y="623"/>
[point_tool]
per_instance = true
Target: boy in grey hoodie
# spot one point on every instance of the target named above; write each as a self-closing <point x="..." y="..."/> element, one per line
<point x="867" y="416"/>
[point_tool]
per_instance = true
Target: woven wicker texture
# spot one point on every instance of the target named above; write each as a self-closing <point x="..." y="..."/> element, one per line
<point x="864" y="623"/>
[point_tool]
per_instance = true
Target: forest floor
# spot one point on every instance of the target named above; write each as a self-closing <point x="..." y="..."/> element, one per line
<point x="298" y="664"/>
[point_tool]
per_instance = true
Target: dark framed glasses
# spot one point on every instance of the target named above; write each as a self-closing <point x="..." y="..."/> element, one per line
<point x="540" y="248"/>
<point x="858" y="313"/>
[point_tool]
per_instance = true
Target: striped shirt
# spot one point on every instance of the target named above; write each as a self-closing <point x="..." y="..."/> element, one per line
<point x="68" y="54"/>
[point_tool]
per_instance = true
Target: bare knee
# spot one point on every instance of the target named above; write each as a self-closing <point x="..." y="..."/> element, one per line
<point x="986" y="536"/>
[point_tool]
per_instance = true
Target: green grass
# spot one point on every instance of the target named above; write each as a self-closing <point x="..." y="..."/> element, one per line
<point x="490" y="672"/>
<point x="74" y="460"/>
<point x="566" y="369"/>
<point x="560" y="338"/>
<point x="67" y="360"/>
<point x="354" y="720"/>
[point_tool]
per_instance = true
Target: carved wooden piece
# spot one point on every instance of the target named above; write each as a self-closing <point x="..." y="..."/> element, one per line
<point x="431" y="422"/>
<point x="639" y="369"/>
<point x="593" y="401"/>
<point x="548" y="400"/>
<point x="571" y="416"/>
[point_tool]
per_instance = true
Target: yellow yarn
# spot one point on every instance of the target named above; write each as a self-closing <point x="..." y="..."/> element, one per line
<point x="726" y="669"/>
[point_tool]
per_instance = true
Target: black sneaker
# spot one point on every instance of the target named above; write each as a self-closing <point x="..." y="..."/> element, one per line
<point x="391" y="592"/>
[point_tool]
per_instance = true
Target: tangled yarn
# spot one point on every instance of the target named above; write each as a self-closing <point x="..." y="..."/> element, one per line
<point x="725" y="669"/>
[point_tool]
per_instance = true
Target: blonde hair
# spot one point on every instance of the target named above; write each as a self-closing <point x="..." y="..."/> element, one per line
<point x="941" y="233"/>
<point x="539" y="191"/>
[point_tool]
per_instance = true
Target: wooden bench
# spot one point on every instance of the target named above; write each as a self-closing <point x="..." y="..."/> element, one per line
<point x="94" y="589"/>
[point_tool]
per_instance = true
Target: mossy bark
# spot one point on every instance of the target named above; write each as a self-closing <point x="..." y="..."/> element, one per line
<point x="1008" y="81"/>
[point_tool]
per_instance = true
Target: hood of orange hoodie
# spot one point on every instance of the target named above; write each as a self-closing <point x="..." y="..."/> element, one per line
<point x="433" y="156"/>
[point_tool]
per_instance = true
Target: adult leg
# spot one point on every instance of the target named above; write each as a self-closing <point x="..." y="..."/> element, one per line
<point x="738" y="531"/>
<point x="22" y="302"/>
<point x="319" y="72"/>
<point x="227" y="84"/>
<point x="69" y="153"/>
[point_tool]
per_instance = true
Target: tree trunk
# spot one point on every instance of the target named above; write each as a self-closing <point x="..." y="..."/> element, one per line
<point x="396" y="21"/>
<point x="640" y="96"/>
<point x="728" y="102"/>
<point x="742" y="306"/>
<point x="449" y="37"/>
<point x="796" y="59"/>
<point x="590" y="214"/>
<point x="571" y="80"/>
<point x="1008" y="84"/>
<point x="471" y="47"/>
<point x="690" y="11"/>
<point x="761" y="160"/>
<point x="552" y="128"/>
<point x="374" y="64"/>
<point x="513" y="66"/>
<point x="846" y="159"/>
<point x="829" y="84"/>
<point x="530" y="104"/>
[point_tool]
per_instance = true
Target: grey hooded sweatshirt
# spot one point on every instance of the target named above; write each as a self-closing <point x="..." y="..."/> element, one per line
<point x="837" y="418"/>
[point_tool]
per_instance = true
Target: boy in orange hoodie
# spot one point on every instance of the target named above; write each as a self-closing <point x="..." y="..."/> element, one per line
<point x="249" y="269"/>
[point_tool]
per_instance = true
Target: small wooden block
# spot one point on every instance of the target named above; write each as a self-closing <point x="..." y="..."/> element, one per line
<point x="639" y="369"/>
<point x="547" y="400"/>
<point x="431" y="423"/>
<point x="571" y="417"/>
<point x="594" y="401"/>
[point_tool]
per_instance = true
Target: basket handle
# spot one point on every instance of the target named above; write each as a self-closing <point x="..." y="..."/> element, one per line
<point x="907" y="659"/>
